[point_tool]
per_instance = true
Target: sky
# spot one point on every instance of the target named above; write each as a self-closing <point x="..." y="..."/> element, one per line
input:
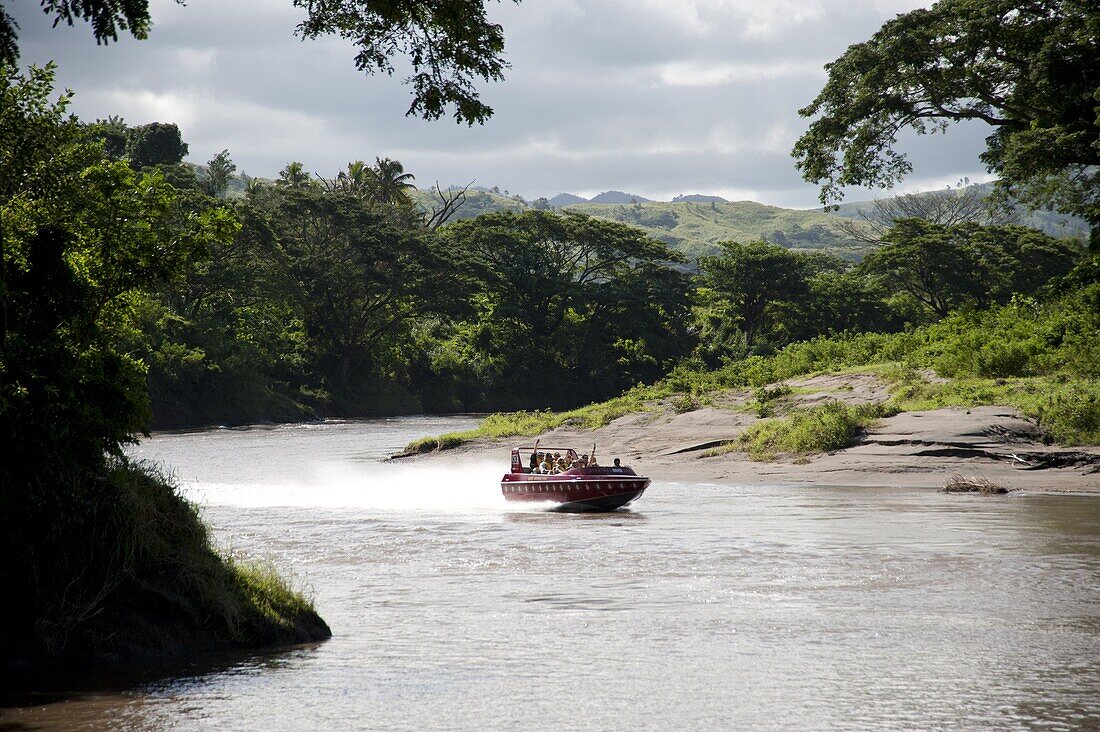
<point x="653" y="97"/>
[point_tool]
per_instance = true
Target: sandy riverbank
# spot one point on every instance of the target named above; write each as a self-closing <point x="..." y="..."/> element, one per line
<point x="911" y="449"/>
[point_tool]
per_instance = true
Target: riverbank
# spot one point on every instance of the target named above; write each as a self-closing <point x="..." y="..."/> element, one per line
<point x="917" y="449"/>
<point x="120" y="568"/>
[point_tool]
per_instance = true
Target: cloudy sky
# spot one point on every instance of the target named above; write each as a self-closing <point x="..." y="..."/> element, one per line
<point x="654" y="97"/>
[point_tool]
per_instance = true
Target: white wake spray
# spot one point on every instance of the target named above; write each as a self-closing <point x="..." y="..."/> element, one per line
<point x="417" y="486"/>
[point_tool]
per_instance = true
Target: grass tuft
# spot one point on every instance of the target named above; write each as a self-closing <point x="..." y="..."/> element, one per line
<point x="821" y="428"/>
<point x="266" y="594"/>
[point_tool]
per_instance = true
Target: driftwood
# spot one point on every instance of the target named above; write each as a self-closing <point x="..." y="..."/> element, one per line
<point x="974" y="484"/>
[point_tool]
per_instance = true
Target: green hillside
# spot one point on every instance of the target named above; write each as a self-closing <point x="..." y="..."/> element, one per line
<point x="695" y="228"/>
<point x="477" y="203"/>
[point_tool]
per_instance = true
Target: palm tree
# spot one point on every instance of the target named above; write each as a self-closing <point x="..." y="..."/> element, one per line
<point x="390" y="182"/>
<point x="253" y="186"/>
<point x="294" y="176"/>
<point x="357" y="180"/>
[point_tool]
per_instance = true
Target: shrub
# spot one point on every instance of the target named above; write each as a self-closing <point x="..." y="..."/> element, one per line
<point x="822" y="428"/>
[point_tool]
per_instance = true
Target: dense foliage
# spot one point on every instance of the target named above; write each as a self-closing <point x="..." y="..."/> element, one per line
<point x="1041" y="356"/>
<point x="88" y="540"/>
<point x="569" y="308"/>
<point x="333" y="299"/>
<point x="344" y="296"/>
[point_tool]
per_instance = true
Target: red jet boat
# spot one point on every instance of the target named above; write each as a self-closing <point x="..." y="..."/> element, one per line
<point x="592" y="488"/>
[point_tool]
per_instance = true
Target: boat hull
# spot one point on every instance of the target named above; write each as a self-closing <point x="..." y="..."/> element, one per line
<point x="571" y="493"/>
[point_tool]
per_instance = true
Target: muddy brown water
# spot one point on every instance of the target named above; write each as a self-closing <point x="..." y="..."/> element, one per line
<point x="702" y="607"/>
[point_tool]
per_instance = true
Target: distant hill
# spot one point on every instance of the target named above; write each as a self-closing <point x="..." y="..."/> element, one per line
<point x="477" y="202"/>
<point x="694" y="229"/>
<point x="1049" y="222"/>
<point x="617" y="197"/>
<point x="698" y="198"/>
<point x="693" y="224"/>
<point x="566" y="199"/>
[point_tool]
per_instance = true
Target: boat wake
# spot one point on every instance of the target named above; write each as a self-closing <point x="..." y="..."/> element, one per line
<point x="376" y="486"/>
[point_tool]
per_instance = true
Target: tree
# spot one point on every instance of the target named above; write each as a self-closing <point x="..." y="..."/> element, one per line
<point x="943" y="268"/>
<point x="449" y="43"/>
<point x="357" y="277"/>
<point x="948" y="208"/>
<point x="105" y="556"/>
<point x="1027" y="68"/>
<point x="294" y="175"/>
<point x="114" y="133"/>
<point x="355" y="181"/>
<point x="158" y="143"/>
<point x="540" y="263"/>
<point x="749" y="279"/>
<point x="389" y="183"/>
<point x="107" y="17"/>
<point x="572" y="307"/>
<point x="219" y="170"/>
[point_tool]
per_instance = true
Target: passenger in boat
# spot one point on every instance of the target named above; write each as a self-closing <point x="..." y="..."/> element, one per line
<point x="544" y="466"/>
<point x="534" y="464"/>
<point x="617" y="464"/>
<point x="584" y="460"/>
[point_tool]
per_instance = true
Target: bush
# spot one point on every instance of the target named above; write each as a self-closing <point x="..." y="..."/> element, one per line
<point x="822" y="428"/>
<point x="685" y="403"/>
<point x="1071" y="414"/>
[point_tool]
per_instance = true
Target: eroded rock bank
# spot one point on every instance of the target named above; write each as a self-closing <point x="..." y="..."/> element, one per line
<point x="910" y="449"/>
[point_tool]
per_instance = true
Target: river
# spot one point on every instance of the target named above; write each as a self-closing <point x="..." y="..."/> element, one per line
<point x="702" y="607"/>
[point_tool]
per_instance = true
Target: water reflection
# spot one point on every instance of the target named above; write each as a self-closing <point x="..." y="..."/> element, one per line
<point x="547" y="516"/>
<point x="77" y="697"/>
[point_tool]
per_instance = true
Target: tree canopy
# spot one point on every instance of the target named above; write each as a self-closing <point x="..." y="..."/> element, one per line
<point x="570" y="305"/>
<point x="156" y="143"/>
<point x="449" y="43"/>
<point x="1027" y="68"/>
<point x="944" y="268"/>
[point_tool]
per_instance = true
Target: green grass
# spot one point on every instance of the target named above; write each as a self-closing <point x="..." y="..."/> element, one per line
<point x="1067" y="409"/>
<point x="238" y="603"/>
<point x="267" y="594"/>
<point x="526" y="424"/>
<point x="820" y="428"/>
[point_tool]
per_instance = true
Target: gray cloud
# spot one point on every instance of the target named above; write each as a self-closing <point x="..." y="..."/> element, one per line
<point x="657" y="97"/>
